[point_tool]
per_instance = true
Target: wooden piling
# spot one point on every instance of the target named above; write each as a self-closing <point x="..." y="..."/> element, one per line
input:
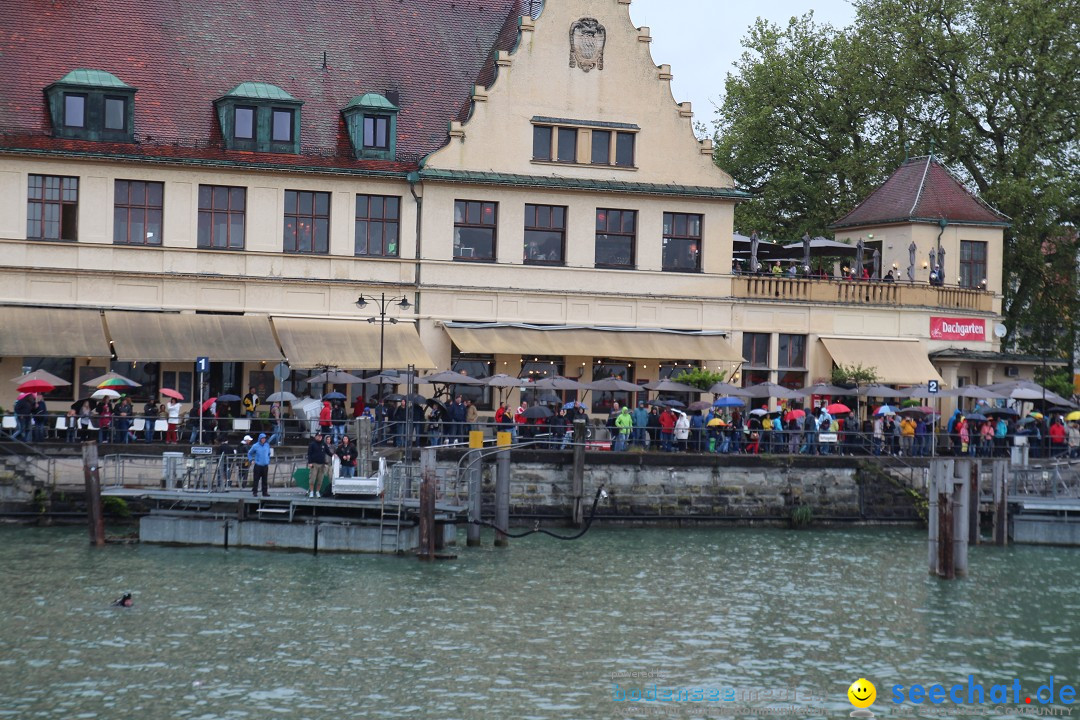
<point x="973" y="502"/>
<point x="577" y="484"/>
<point x="473" y="469"/>
<point x="427" y="504"/>
<point x="502" y="497"/>
<point x="949" y="495"/>
<point x="363" y="447"/>
<point x="1001" y="502"/>
<point x="92" y="477"/>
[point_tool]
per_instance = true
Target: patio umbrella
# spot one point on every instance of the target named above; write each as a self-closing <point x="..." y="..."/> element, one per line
<point x="885" y="410"/>
<point x="723" y="388"/>
<point x="806" y="252"/>
<point x="860" y="248"/>
<point x="449" y="377"/>
<point x="538" y="412"/>
<point x="334" y="396"/>
<point x="794" y="415"/>
<point x="105" y="393"/>
<point x="819" y="247"/>
<point x="557" y="382"/>
<point x="881" y="391"/>
<point x="728" y="402"/>
<point x="96" y="382"/>
<point x="699" y="405"/>
<point x="837" y="409"/>
<point x="754" y="241"/>
<point x="717" y="422"/>
<point x="36" y="386"/>
<point x="42" y="375"/>
<point x="671" y="386"/>
<point x="169" y="392"/>
<point x="770" y="390"/>
<point x="338" y="377"/>
<point x="387" y="378"/>
<point x="503" y="380"/>
<point x="613" y="384"/>
<point x="278" y="397"/>
<point x="227" y="398"/>
<point x="824" y="389"/>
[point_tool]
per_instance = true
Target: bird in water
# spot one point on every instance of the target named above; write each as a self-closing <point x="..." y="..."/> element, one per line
<point x="123" y="601"/>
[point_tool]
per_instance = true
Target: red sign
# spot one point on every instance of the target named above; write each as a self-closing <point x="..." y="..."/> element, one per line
<point x="943" y="328"/>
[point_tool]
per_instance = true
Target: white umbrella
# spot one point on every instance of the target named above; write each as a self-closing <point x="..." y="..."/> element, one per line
<point x="282" y="396"/>
<point x="105" y="393"/>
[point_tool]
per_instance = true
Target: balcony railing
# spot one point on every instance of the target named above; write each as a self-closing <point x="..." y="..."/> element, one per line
<point x="848" y="292"/>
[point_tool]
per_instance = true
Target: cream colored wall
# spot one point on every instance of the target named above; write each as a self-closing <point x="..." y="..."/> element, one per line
<point x="537" y="80"/>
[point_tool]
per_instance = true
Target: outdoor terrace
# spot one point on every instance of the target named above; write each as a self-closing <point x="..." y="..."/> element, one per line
<point x="855" y="292"/>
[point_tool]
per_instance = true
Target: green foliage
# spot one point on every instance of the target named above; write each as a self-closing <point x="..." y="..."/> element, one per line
<point x="1057" y="380"/>
<point x="816" y="117"/>
<point x="855" y="374"/>
<point x="699" y="378"/>
<point x="117" y="507"/>
<point x="801" y="517"/>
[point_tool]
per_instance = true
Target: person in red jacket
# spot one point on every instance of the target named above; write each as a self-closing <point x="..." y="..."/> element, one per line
<point x="1057" y="438"/>
<point x="667" y="430"/>
<point x="325" y="418"/>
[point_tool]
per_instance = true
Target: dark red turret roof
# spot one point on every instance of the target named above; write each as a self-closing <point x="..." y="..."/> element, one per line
<point x="184" y="55"/>
<point x="922" y="190"/>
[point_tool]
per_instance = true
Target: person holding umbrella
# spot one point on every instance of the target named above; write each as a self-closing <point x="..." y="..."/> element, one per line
<point x="172" y="411"/>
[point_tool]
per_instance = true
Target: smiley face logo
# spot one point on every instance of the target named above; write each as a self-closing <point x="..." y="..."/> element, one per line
<point x="862" y="693"/>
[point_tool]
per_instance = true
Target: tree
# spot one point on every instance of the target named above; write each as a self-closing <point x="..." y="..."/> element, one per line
<point x="699" y="378"/>
<point x="816" y="117"/>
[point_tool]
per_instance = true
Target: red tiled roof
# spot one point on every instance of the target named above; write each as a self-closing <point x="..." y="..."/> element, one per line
<point x="921" y="190"/>
<point x="183" y="56"/>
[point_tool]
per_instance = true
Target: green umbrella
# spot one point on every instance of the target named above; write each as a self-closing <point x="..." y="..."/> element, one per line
<point x="302" y="479"/>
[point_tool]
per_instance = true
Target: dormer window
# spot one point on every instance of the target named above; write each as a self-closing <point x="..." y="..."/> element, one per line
<point x="260" y="117"/>
<point x="92" y="105"/>
<point x="371" y="120"/>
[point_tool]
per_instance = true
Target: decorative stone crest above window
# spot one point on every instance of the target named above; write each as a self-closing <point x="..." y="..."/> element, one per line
<point x="371" y="120"/>
<point x="587" y="39"/>
<point x="92" y="105"/>
<point x="260" y="117"/>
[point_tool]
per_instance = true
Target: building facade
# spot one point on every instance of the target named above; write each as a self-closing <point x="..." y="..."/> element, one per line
<point x="225" y="184"/>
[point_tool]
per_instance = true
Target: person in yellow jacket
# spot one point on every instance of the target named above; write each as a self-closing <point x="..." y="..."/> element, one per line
<point x="907" y="434"/>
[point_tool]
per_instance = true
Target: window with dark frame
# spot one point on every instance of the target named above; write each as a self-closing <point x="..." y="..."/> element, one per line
<point x="972" y="263"/>
<point x="74" y="110"/>
<point x="682" y="242"/>
<point x="377" y="225"/>
<point x="601" y="147"/>
<point x="756" y="351"/>
<point x="281" y="125"/>
<point x="307" y="222"/>
<point x="567" y="145"/>
<point x="115" y="113"/>
<point x="377" y="132"/>
<point x="52" y="208"/>
<point x="791" y="361"/>
<point x="545" y="234"/>
<point x="222" y="212"/>
<point x="542" y="142"/>
<point x="624" y="149"/>
<point x="475" y="230"/>
<point x="603" y="402"/>
<point x="137" y="212"/>
<point x="616" y="236"/>
<point x="63" y="368"/>
<point x="476" y="366"/>
<point x="244" y="123"/>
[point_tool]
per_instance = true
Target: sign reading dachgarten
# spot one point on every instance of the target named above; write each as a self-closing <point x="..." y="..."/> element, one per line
<point x="943" y="328"/>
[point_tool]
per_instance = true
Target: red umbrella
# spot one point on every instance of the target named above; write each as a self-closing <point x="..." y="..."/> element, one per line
<point x="36" y="386"/>
<point x="837" y="409"/>
<point x="794" y="415"/>
<point x="169" y="392"/>
<point x="206" y="405"/>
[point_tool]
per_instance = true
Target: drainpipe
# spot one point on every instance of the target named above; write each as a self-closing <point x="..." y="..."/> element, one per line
<point x="413" y="178"/>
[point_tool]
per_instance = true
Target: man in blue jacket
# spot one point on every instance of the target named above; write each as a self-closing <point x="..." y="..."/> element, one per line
<point x="259" y="455"/>
<point x="640" y="417"/>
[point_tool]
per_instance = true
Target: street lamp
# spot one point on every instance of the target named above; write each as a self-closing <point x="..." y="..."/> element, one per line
<point x="383" y="303"/>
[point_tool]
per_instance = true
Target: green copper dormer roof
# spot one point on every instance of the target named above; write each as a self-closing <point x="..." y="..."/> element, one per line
<point x="371" y="101"/>
<point x="260" y="91"/>
<point x="93" y="78"/>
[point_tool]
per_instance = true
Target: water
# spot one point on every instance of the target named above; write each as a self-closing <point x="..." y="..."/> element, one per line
<point x="534" y="631"/>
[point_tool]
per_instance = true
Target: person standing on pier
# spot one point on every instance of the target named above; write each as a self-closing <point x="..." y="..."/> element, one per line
<point x="172" y="410"/>
<point x="346" y="453"/>
<point x="316" y="457"/>
<point x="259" y="455"/>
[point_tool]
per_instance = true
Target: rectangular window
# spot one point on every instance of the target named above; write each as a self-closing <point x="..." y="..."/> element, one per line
<point x="137" y="209"/>
<point x="282" y="121"/>
<point x="616" y="234"/>
<point x="604" y="402"/>
<point x="542" y="142"/>
<point x="476" y="366"/>
<point x="221" y="217"/>
<point x="74" y="110"/>
<point x="755" y="348"/>
<point x="624" y="149"/>
<point x="52" y="208"/>
<point x="377" y="132"/>
<point x="63" y="368"/>
<point x="545" y="234"/>
<point x="307" y="222"/>
<point x="682" y="242"/>
<point x="377" y="225"/>
<point x="535" y="368"/>
<point x="474" y="230"/>
<point x="792" y="352"/>
<point x="568" y="145"/>
<point x="244" y="123"/>
<point x="601" y="147"/>
<point x="972" y="264"/>
<point x="115" y="113"/>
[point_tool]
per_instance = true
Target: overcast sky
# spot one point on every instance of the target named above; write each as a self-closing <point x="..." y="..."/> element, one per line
<point x="701" y="39"/>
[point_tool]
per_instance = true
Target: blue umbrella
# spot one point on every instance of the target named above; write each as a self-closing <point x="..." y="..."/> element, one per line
<point x="569" y="405"/>
<point x="885" y="410"/>
<point x="333" y="396"/>
<point x="729" y="402"/>
<point x="228" y="398"/>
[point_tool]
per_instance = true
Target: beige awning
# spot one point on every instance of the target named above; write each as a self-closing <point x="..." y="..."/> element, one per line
<point x="593" y="342"/>
<point x="897" y="362"/>
<point x="175" y="337"/>
<point x="350" y="344"/>
<point x="51" y="332"/>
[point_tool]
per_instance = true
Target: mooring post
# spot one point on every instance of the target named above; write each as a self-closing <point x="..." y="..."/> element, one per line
<point x="577" y="484"/>
<point x="92" y="478"/>
<point x="973" y="502"/>
<point x="473" y="471"/>
<point x="932" y="519"/>
<point x="961" y="500"/>
<point x="427" y="504"/>
<point x="1001" y="502"/>
<point x="363" y="447"/>
<point x="502" y="496"/>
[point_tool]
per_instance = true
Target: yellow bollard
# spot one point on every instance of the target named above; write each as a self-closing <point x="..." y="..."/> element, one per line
<point x="476" y="439"/>
<point x="504" y="439"/>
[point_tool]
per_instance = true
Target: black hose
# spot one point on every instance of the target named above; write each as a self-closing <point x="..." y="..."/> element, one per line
<point x="538" y="529"/>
